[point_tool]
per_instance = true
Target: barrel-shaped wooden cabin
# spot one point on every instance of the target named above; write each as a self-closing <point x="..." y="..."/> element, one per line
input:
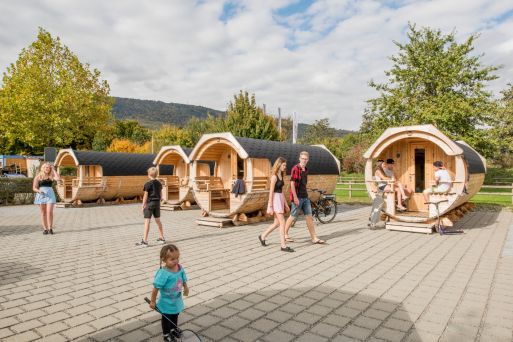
<point x="177" y="189"/>
<point x="251" y="160"/>
<point x="103" y="176"/>
<point x="414" y="149"/>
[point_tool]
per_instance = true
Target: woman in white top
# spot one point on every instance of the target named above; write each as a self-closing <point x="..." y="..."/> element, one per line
<point x="443" y="181"/>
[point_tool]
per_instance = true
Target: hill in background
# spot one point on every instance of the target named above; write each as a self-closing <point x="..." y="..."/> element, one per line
<point x="153" y="114"/>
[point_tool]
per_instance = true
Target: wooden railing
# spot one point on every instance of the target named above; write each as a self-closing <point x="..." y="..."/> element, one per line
<point x="88" y="181"/>
<point x="350" y="187"/>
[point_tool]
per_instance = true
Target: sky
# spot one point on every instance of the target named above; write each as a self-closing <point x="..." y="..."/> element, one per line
<point x="315" y="58"/>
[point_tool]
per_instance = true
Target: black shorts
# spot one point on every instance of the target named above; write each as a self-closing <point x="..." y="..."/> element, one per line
<point x="152" y="209"/>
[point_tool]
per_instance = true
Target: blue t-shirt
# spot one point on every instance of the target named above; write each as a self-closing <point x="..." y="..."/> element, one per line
<point x="170" y="285"/>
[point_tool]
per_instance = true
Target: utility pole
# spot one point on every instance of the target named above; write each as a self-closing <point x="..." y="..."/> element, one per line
<point x="265" y="112"/>
<point x="294" y="128"/>
<point x="279" y="120"/>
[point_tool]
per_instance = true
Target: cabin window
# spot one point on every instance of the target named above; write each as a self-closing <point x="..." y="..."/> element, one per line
<point x="240" y="167"/>
<point x="420" y="169"/>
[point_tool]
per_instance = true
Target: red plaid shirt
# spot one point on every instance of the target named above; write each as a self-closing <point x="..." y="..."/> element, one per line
<point x="295" y="176"/>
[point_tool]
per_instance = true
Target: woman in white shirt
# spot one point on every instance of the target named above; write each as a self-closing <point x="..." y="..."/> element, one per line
<point x="443" y="181"/>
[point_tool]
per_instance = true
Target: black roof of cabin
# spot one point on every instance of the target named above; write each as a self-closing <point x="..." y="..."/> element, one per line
<point x="475" y="163"/>
<point x="321" y="161"/>
<point x="120" y="164"/>
<point x="187" y="150"/>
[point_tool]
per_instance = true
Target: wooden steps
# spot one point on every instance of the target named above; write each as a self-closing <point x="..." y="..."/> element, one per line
<point x="426" y="228"/>
<point x="214" y="222"/>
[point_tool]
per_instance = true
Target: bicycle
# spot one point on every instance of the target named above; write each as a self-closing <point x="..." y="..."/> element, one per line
<point x="325" y="208"/>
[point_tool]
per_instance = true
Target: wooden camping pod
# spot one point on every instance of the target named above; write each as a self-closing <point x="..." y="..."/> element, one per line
<point x="414" y="149"/>
<point x="177" y="189"/>
<point x="251" y="161"/>
<point x="103" y="176"/>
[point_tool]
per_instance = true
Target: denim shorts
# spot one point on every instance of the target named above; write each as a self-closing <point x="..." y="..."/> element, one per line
<point x="304" y="205"/>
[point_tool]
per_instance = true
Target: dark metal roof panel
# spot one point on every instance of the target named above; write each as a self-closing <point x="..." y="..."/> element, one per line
<point x="475" y="163"/>
<point x="117" y="163"/>
<point x="187" y="150"/>
<point x="321" y="161"/>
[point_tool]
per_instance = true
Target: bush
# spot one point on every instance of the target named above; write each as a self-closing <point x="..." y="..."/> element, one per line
<point x="11" y="186"/>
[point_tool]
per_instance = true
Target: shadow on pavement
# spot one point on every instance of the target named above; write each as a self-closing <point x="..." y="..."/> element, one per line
<point x="20" y="230"/>
<point x="13" y="272"/>
<point x="308" y="313"/>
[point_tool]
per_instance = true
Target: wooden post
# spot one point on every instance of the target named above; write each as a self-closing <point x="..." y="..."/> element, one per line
<point x="350" y="189"/>
<point x="512" y="193"/>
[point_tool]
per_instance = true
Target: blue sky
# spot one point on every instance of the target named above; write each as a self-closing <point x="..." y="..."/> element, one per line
<point x="313" y="57"/>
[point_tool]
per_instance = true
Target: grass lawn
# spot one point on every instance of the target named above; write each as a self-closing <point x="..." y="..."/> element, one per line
<point x="360" y="196"/>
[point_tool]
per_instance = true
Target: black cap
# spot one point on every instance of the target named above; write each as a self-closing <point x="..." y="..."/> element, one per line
<point x="390" y="161"/>
<point x="438" y="163"/>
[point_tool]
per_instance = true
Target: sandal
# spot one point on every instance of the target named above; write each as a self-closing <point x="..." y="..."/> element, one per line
<point x="286" y="249"/>
<point x="319" y="242"/>
<point x="261" y="241"/>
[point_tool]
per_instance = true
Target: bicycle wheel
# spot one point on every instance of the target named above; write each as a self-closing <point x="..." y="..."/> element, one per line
<point x="327" y="210"/>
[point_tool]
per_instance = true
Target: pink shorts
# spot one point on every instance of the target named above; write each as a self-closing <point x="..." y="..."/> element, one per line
<point x="278" y="203"/>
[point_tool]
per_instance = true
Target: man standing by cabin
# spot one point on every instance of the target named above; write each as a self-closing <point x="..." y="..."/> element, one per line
<point x="299" y="199"/>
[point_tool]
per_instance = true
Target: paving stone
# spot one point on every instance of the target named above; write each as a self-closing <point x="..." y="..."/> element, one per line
<point x="52" y="328"/>
<point x="26" y="336"/>
<point x="357" y="332"/>
<point x="293" y="327"/>
<point x="247" y="334"/>
<point x="216" y="332"/>
<point x="234" y="322"/>
<point x="28" y="325"/>
<point x="326" y="330"/>
<point x="278" y="336"/>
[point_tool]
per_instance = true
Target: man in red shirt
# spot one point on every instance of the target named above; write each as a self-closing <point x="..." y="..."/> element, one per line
<point x="299" y="198"/>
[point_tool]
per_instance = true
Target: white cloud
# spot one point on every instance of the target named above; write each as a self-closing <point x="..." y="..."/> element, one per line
<point x="180" y="51"/>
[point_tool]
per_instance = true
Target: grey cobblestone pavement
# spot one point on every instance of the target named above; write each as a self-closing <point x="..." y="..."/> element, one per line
<point x="87" y="282"/>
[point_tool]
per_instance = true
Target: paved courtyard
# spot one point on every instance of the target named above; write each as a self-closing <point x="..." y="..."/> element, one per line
<point x="87" y="282"/>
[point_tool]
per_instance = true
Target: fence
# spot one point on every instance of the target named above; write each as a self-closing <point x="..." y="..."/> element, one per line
<point x="348" y="184"/>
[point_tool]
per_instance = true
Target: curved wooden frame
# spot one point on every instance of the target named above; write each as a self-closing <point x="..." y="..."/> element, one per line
<point x="418" y="134"/>
<point x="177" y="188"/>
<point x="85" y="187"/>
<point x="213" y="193"/>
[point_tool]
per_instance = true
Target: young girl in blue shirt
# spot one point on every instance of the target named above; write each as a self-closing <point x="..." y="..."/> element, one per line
<point x="170" y="280"/>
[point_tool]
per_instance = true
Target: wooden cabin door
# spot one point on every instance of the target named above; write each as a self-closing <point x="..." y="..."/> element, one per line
<point x="418" y="167"/>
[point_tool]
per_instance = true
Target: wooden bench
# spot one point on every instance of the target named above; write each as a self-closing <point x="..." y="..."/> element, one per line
<point x="260" y="183"/>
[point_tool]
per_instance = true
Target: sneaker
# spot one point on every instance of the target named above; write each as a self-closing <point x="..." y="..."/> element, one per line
<point x="287" y="249"/>
<point x="169" y="338"/>
<point x="161" y="240"/>
<point x="177" y="333"/>
<point x="142" y="243"/>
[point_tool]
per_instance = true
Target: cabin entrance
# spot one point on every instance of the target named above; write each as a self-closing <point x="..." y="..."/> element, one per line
<point x="421" y="158"/>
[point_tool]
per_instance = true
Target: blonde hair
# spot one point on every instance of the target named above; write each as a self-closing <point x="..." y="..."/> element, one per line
<point x="277" y="165"/>
<point x="42" y="173"/>
<point x="152" y="172"/>
<point x="304" y="153"/>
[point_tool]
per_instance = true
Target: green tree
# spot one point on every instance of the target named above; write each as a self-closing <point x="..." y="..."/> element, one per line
<point x="49" y="98"/>
<point x="245" y="119"/>
<point x="171" y="135"/>
<point x="318" y="131"/>
<point x="502" y="129"/>
<point x="434" y="80"/>
<point x="196" y="127"/>
<point x="131" y="130"/>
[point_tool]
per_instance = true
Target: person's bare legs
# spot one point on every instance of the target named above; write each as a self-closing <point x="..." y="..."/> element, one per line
<point x="271" y="227"/>
<point x="399" y="200"/>
<point x="159" y="225"/>
<point x="49" y="215"/>
<point x="42" y="212"/>
<point x="425" y="193"/>
<point x="311" y="228"/>
<point x="281" y="221"/>
<point x="146" y="229"/>
<point x="288" y="224"/>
